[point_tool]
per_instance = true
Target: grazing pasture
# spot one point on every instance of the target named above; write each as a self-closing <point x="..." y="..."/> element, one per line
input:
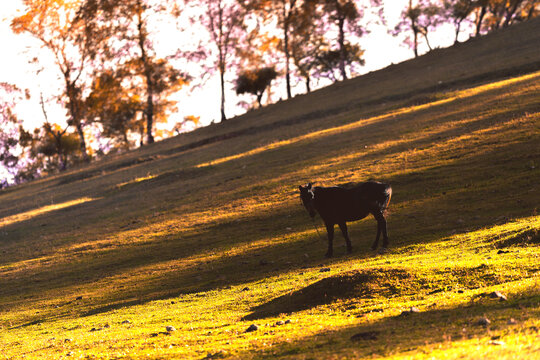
<point x="175" y="250"/>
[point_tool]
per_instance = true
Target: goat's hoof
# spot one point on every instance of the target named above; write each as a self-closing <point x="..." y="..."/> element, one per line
<point x="329" y="254"/>
<point x="349" y="250"/>
<point x="383" y="250"/>
<point x="374" y="247"/>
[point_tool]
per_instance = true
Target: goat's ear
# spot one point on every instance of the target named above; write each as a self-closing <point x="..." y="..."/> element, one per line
<point x="309" y="185"/>
<point x="301" y="187"/>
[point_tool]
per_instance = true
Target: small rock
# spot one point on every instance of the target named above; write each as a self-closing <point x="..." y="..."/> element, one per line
<point x="93" y="329"/>
<point x="460" y="291"/>
<point x="502" y="252"/>
<point x="107" y="326"/>
<point x="412" y="310"/>
<point x="245" y="289"/>
<point x="483" y="322"/>
<point x="280" y="322"/>
<point x="324" y="270"/>
<point x="70" y="353"/>
<point x="511" y="321"/>
<point x="218" y="355"/>
<point x="499" y="295"/>
<point x="497" y="342"/>
<point x="126" y="322"/>
<point x="173" y="302"/>
<point x="79" y="298"/>
<point x="252" y="327"/>
<point x="170" y="328"/>
<point x="68" y="340"/>
<point x="287" y="321"/>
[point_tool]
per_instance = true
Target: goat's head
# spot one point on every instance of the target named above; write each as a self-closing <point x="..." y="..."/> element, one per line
<point x="307" y="196"/>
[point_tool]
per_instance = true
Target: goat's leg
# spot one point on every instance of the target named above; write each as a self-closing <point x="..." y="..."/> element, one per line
<point x="330" y="231"/>
<point x="381" y="221"/>
<point x="344" y="231"/>
<point x="376" y="243"/>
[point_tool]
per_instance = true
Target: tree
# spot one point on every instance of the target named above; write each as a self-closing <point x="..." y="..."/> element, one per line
<point x="307" y="40"/>
<point x="60" y="29"/>
<point x="57" y="145"/>
<point x="491" y="15"/>
<point x="53" y="141"/>
<point x="282" y="12"/>
<point x="224" y="20"/>
<point x="118" y="110"/>
<point x="10" y="127"/>
<point x="458" y="11"/>
<point x="255" y="82"/>
<point x="409" y="22"/>
<point x="129" y="41"/>
<point x="420" y="19"/>
<point x="331" y="60"/>
<point x="430" y="18"/>
<point x="346" y="16"/>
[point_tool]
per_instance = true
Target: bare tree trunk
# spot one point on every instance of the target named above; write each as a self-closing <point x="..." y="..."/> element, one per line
<point x="83" y="142"/>
<point x="510" y="12"/>
<point x="149" y="111"/>
<point x="425" y="33"/>
<point x="222" y="64"/>
<point x="458" y="28"/>
<point x="531" y="10"/>
<point x="286" y="49"/>
<point x="222" y="78"/>
<point x="342" y="50"/>
<point x="74" y="100"/>
<point x="414" y="29"/>
<point x="480" y="20"/>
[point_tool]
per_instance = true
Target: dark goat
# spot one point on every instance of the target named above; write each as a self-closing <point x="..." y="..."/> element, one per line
<point x="339" y="204"/>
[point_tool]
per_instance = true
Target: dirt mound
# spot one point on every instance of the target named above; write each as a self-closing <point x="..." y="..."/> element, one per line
<point x="369" y="283"/>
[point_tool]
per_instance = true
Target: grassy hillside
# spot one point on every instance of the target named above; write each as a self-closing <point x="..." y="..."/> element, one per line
<point x="205" y="232"/>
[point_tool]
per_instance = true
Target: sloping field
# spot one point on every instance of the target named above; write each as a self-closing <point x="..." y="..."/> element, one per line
<point x="205" y="232"/>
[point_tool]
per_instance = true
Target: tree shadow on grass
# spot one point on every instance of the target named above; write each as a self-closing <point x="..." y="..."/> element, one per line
<point x="417" y="189"/>
<point x="254" y="262"/>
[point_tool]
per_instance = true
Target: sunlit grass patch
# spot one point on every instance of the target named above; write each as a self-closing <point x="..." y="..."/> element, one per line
<point x="8" y="220"/>
<point x="135" y="181"/>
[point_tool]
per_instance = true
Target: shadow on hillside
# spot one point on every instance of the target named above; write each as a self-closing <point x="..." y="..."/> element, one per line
<point x="270" y="259"/>
<point x="430" y="328"/>
<point x="430" y="202"/>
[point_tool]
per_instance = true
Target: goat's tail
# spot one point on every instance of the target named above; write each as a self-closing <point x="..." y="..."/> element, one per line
<point x="386" y="202"/>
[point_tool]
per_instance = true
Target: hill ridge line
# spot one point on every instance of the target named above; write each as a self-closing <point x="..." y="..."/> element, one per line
<point x="299" y="119"/>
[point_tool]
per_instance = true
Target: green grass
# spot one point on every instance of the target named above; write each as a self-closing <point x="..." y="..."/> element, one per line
<point x="205" y="232"/>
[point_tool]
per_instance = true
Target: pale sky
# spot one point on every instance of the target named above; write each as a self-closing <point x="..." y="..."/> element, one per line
<point x="381" y="50"/>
